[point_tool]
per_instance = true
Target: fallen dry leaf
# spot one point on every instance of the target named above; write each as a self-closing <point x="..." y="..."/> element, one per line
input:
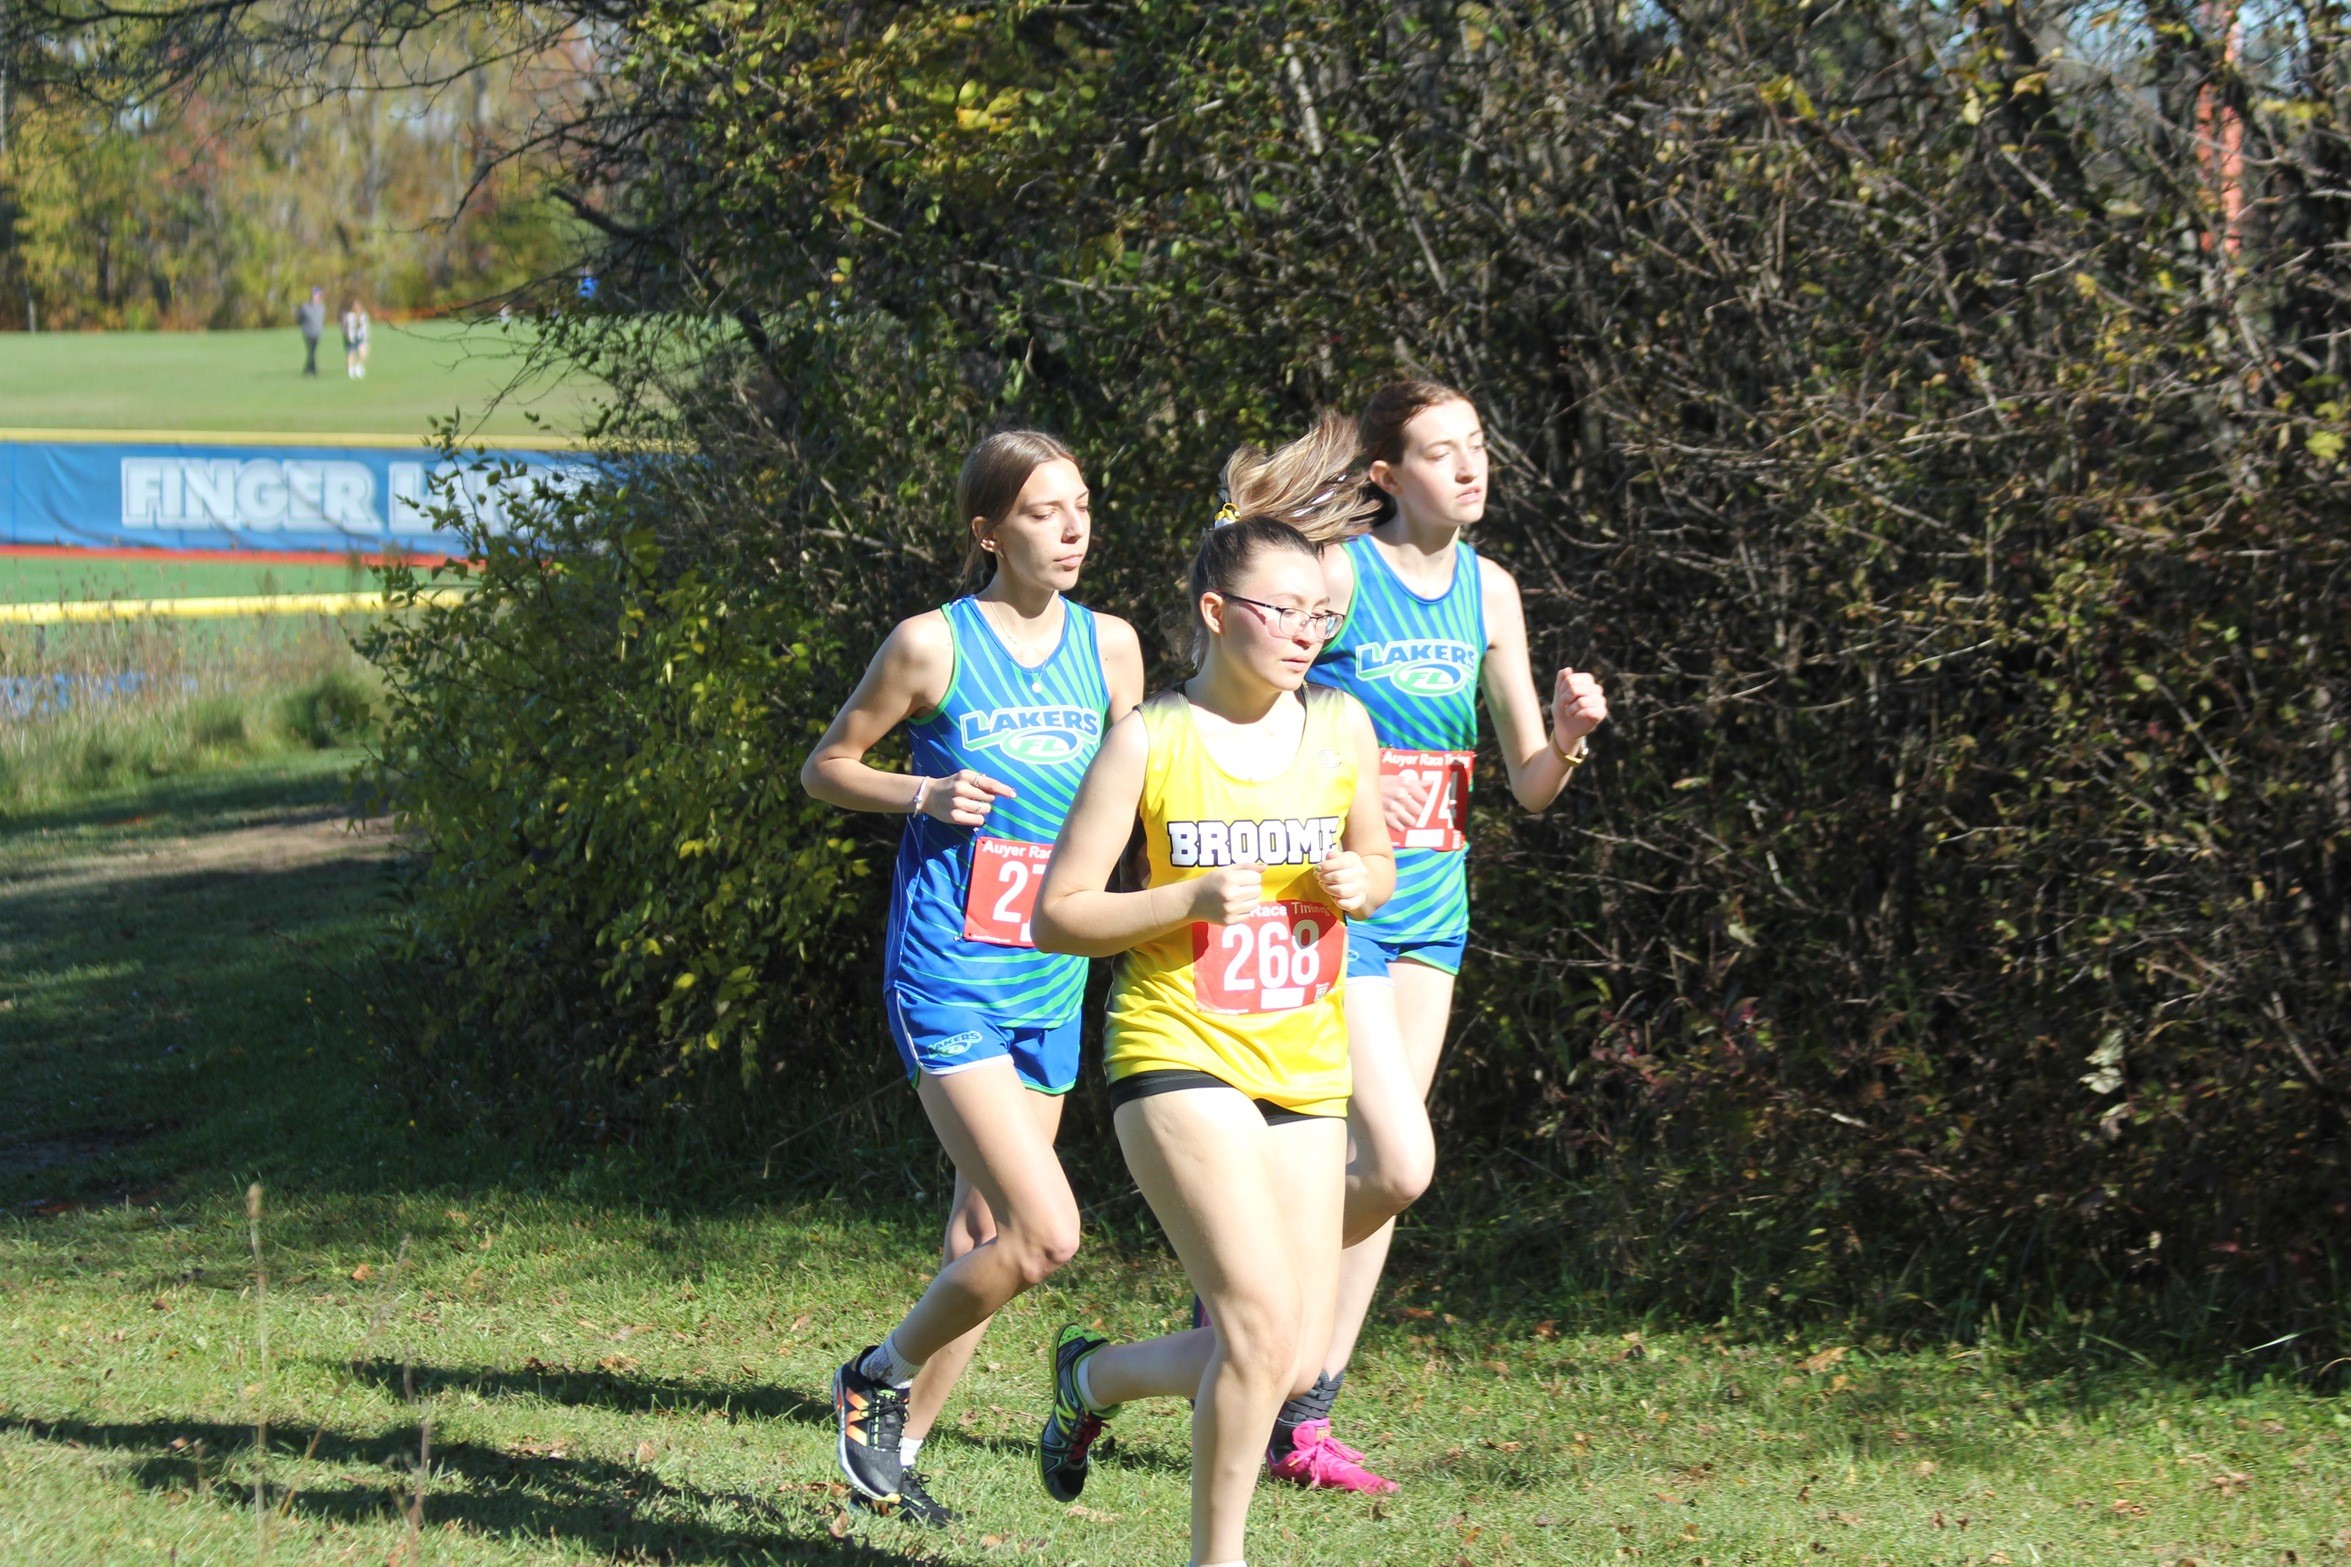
<point x="1923" y="1468"/>
<point x="2229" y="1483"/>
<point x="362" y="1273"/>
<point x="646" y="1452"/>
<point x="1815" y="1364"/>
<point x="616" y="1363"/>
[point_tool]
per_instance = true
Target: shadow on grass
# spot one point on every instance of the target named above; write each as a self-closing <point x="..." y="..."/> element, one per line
<point x="199" y="803"/>
<point x="623" y="1511"/>
<point x="599" y="1389"/>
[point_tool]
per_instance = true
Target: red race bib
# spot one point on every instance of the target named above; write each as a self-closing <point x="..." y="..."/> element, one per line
<point x="1285" y="956"/>
<point x="1005" y="876"/>
<point x="1444" y="820"/>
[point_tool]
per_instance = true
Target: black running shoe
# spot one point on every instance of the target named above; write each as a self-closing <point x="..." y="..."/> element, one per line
<point x="1071" y="1428"/>
<point x="917" y="1505"/>
<point x="871" y="1415"/>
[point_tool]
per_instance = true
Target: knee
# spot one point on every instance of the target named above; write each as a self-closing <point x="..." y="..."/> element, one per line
<point x="964" y="1236"/>
<point x="1040" y="1250"/>
<point x="1260" y="1339"/>
<point x="1397" y="1173"/>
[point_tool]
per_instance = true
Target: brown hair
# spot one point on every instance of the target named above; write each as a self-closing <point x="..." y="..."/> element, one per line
<point x="1379" y="434"/>
<point x="1311" y="483"/>
<point x="1224" y="557"/>
<point x="992" y="478"/>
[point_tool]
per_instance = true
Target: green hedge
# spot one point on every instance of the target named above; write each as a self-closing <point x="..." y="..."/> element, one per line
<point x="1955" y="919"/>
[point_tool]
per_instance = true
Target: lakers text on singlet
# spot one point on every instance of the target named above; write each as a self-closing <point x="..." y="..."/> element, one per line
<point x="961" y="897"/>
<point x="1255" y="1004"/>
<point x="1413" y="662"/>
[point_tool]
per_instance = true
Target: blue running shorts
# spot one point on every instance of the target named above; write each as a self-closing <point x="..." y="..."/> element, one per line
<point x="942" y="1039"/>
<point x="1368" y="957"/>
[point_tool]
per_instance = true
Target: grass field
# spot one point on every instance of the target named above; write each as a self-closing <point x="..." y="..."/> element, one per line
<point x="596" y="1369"/>
<point x="252" y="382"/>
<point x="47" y="578"/>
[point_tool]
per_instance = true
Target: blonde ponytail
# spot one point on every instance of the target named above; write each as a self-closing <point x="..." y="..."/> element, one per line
<point x="1312" y="483"/>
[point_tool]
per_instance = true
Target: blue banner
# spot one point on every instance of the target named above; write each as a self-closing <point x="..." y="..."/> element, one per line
<point x="188" y="495"/>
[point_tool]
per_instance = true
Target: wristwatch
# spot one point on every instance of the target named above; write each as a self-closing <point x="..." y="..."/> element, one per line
<point x="1577" y="757"/>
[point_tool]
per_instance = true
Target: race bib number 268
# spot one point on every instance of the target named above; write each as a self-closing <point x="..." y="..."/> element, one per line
<point x="1285" y="956"/>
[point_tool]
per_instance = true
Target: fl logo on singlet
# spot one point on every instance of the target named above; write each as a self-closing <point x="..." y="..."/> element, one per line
<point x="1038" y="736"/>
<point x="1421" y="667"/>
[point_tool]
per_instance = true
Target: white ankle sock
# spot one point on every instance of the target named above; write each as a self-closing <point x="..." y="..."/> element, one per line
<point x="1085" y="1383"/>
<point x="909" y="1449"/>
<point x="886" y="1363"/>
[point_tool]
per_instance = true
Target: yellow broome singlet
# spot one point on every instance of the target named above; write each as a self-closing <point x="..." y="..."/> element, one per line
<point x="1256" y="1003"/>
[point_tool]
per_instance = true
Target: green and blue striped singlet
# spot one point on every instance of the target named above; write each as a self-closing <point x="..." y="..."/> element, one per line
<point x="1413" y="662"/>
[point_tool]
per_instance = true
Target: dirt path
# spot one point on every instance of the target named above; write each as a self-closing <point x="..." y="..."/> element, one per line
<point x="289" y="839"/>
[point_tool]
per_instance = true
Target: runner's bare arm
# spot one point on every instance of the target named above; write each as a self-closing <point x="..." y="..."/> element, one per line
<point x="1578" y="706"/>
<point x="908" y="675"/>
<point x="1361" y="875"/>
<point x="1122" y="663"/>
<point x="1075" y="910"/>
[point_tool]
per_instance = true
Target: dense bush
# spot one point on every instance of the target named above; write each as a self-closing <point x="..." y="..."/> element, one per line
<point x="1893" y="404"/>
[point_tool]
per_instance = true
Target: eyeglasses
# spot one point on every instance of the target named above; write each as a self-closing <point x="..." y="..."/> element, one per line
<point x="1321" y="625"/>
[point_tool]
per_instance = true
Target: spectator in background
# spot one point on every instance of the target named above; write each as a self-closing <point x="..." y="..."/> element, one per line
<point x="355" y="340"/>
<point x="311" y="317"/>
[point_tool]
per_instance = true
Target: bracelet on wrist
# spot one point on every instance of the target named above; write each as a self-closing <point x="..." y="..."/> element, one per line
<point x="922" y="786"/>
<point x="1575" y="758"/>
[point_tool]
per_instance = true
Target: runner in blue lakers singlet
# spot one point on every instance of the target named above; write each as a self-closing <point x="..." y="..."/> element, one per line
<point x="960" y="979"/>
<point x="1006" y="696"/>
<point x="1430" y="625"/>
<point x="1413" y="662"/>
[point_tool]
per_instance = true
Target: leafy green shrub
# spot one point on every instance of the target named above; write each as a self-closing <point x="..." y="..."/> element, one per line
<point x="1886" y="403"/>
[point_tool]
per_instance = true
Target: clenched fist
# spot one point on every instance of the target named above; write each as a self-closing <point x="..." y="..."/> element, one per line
<point x="963" y="799"/>
<point x="1344" y="880"/>
<point x="1578" y="706"/>
<point x="1404" y="801"/>
<point x="1228" y="894"/>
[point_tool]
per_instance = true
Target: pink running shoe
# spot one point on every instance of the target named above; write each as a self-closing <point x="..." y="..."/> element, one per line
<point x="1319" y="1461"/>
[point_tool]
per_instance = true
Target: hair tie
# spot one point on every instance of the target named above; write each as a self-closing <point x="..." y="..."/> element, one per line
<point x="1226" y="515"/>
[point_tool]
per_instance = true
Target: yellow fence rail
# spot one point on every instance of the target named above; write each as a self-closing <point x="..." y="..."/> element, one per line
<point x="85" y="610"/>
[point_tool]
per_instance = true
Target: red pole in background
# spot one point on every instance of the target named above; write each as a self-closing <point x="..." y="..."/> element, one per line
<point x="2220" y="130"/>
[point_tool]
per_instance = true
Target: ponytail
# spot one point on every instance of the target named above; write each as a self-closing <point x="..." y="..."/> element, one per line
<point x="1310" y="484"/>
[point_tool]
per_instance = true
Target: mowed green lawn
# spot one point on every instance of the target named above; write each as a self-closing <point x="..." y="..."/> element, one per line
<point x="28" y="579"/>
<point x="476" y="1357"/>
<point x="252" y="382"/>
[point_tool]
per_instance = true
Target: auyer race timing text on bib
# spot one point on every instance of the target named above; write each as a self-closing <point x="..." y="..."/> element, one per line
<point x="1005" y="876"/>
<point x="1443" y="822"/>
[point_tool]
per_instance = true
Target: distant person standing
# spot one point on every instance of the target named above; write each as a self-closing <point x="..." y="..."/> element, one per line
<point x="311" y="317"/>
<point x="355" y="340"/>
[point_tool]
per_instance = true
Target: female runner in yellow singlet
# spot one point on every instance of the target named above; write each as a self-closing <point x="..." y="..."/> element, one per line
<point x="1226" y="1049"/>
